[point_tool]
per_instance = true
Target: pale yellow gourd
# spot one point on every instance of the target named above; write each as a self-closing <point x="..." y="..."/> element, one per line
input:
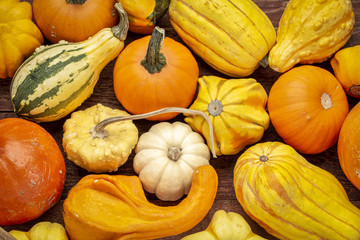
<point x="98" y="153"/>
<point x="42" y="231"/>
<point x="236" y="108"/>
<point x="225" y="226"/>
<point x="311" y="32"/>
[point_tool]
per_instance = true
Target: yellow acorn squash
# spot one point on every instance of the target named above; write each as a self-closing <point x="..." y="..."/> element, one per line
<point x="291" y="198"/>
<point x="231" y="36"/>
<point x="310" y="32"/>
<point x="236" y="108"/>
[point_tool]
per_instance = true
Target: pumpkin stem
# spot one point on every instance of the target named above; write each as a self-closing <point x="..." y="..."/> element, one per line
<point x="264" y="62"/>
<point x="174" y="153"/>
<point x="154" y="60"/>
<point x="98" y="131"/>
<point x="75" y="1"/>
<point x="120" y="31"/>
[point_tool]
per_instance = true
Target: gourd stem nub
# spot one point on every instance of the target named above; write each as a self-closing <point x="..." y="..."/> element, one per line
<point x="76" y="1"/>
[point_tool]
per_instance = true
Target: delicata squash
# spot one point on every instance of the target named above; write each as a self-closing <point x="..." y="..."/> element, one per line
<point x="231" y="36"/>
<point x="58" y="78"/>
<point x="291" y="198"/>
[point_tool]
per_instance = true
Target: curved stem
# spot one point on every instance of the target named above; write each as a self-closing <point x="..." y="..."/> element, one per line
<point x="154" y="60"/>
<point x="98" y="131"/>
<point x="120" y="31"/>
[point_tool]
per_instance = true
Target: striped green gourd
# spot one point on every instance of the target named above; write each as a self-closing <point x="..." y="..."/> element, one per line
<point x="58" y="78"/>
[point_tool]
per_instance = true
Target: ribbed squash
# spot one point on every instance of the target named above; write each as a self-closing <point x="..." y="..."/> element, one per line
<point x="291" y="198"/>
<point x="236" y="108"/>
<point x="310" y="32"/>
<point x="231" y="36"/>
<point x="58" y="78"/>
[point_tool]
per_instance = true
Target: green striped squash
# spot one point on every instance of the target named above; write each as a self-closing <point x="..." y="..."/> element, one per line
<point x="292" y="198"/>
<point x="58" y="78"/>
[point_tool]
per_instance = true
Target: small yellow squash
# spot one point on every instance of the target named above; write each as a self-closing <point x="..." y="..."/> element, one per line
<point x="311" y="32"/>
<point x="98" y="154"/>
<point x="225" y="226"/>
<point x="42" y="231"/>
<point x="236" y="108"/>
<point x="346" y="68"/>
<point x="291" y="198"/>
<point x="231" y="36"/>
<point x="19" y="36"/>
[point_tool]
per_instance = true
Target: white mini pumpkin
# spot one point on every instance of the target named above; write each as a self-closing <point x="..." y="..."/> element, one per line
<point x="166" y="157"/>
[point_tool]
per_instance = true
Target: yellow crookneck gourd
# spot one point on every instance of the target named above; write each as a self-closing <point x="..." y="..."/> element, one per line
<point x="236" y="108"/>
<point x="103" y="207"/>
<point x="311" y="32"/>
<point x="292" y="198"/>
<point x="225" y="226"/>
<point x="231" y="36"/>
<point x="42" y="231"/>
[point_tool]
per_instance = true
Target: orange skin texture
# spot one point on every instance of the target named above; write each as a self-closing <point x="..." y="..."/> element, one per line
<point x="140" y="91"/>
<point x="349" y="146"/>
<point x="32" y="171"/>
<point x="297" y="113"/>
<point x="59" y="20"/>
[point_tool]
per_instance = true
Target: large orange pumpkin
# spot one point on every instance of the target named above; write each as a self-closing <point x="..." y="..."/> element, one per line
<point x="307" y="107"/>
<point x="32" y="171"/>
<point x="73" y="20"/>
<point x="349" y="146"/>
<point x="148" y="76"/>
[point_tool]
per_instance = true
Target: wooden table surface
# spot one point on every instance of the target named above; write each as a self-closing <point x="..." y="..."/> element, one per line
<point x="224" y="165"/>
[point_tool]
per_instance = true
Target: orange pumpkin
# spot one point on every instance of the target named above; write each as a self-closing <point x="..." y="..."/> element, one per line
<point x="307" y="107"/>
<point x="349" y="146"/>
<point x="148" y="76"/>
<point x="32" y="171"/>
<point x="73" y="20"/>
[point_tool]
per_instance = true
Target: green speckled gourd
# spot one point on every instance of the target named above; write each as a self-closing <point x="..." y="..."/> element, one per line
<point x="58" y="78"/>
<point x="310" y="32"/>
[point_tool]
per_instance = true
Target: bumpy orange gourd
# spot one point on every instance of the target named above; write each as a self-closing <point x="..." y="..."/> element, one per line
<point x="292" y="198"/>
<point x="19" y="36"/>
<point x="349" y="146"/>
<point x="32" y="171"/>
<point x="73" y="20"/>
<point x="346" y="68"/>
<point x="102" y="207"/>
<point x="148" y="76"/>
<point x="307" y="107"/>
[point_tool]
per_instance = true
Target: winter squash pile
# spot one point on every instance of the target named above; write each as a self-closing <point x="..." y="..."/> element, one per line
<point x="174" y="119"/>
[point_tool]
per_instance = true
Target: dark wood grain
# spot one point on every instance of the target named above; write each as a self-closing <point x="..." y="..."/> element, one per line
<point x="224" y="165"/>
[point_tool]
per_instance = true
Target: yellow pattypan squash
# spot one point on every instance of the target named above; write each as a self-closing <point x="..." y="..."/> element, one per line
<point x="236" y="108"/>
<point x="42" y="231"/>
<point x="166" y="157"/>
<point x="225" y="226"/>
<point x="19" y="36"/>
<point x="98" y="153"/>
